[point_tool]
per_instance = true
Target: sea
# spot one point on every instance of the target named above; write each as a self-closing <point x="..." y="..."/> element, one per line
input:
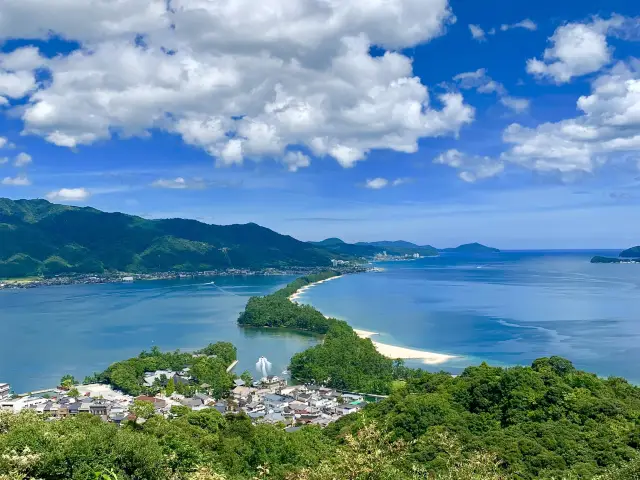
<point x="505" y="309"/>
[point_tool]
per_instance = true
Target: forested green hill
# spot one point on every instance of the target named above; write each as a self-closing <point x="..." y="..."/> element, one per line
<point x="41" y="238"/>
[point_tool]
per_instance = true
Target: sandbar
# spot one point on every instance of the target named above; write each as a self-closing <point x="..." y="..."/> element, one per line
<point x="392" y="351"/>
<point x="294" y="297"/>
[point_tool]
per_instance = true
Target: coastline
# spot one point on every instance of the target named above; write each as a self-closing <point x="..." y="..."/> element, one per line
<point x="389" y="351"/>
<point x="405" y="353"/>
<point x="296" y="295"/>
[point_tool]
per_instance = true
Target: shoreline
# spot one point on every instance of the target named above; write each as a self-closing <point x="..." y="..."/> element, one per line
<point x="405" y="353"/>
<point x="296" y="295"/>
<point x="389" y="351"/>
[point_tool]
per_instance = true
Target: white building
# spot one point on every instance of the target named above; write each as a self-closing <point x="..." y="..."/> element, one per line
<point x="18" y="404"/>
<point x="5" y="389"/>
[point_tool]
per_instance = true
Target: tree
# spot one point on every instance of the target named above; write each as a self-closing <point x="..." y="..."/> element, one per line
<point x="73" y="393"/>
<point x="246" y="377"/>
<point x="225" y="351"/>
<point x="142" y="409"/>
<point x="171" y="387"/>
<point x="68" y="381"/>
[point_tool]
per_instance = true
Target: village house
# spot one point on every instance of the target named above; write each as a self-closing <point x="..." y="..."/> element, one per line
<point x="5" y="390"/>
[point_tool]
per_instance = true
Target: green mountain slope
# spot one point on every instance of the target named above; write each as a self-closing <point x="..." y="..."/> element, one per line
<point x="38" y="237"/>
<point x="471" y="248"/>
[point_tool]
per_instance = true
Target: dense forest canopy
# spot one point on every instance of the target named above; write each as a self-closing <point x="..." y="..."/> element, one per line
<point x="42" y="238"/>
<point x="277" y="311"/>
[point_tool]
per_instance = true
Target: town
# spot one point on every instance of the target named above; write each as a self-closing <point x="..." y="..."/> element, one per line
<point x="268" y="400"/>
<point x="341" y="266"/>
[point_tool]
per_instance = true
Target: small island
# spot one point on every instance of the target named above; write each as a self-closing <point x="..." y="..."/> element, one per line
<point x="471" y="248"/>
<point x="630" y="255"/>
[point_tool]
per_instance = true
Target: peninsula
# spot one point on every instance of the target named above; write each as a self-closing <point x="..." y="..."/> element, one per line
<point x="331" y="362"/>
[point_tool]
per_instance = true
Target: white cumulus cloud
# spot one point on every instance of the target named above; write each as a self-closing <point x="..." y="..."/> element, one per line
<point x="518" y="105"/>
<point x="69" y="195"/>
<point x="22" y="160"/>
<point x="579" y="49"/>
<point x="18" y="181"/>
<point x="477" y="33"/>
<point x="608" y="128"/>
<point x="240" y="80"/>
<point x="3" y="142"/>
<point x="376" y="183"/>
<point x="483" y="83"/>
<point x="470" y="167"/>
<point x="296" y="160"/>
<point x="527" y="24"/>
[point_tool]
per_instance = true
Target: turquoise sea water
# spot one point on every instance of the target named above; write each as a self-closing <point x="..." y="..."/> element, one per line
<point x="79" y="329"/>
<point x="507" y="309"/>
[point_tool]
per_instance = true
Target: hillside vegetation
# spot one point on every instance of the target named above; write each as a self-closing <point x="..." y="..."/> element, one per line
<point x="41" y="238"/>
<point x="547" y="421"/>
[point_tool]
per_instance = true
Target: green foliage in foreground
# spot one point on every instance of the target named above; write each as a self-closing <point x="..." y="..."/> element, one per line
<point x="128" y="375"/>
<point x="544" y="421"/>
<point x="205" y="445"/>
<point x="276" y="311"/>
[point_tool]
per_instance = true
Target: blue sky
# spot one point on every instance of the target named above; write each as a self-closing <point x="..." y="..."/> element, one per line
<point x="516" y="124"/>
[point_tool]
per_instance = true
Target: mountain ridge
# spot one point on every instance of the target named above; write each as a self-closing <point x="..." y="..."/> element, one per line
<point x="44" y="238"/>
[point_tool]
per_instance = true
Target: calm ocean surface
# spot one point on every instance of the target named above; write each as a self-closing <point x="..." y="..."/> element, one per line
<point x="507" y="309"/>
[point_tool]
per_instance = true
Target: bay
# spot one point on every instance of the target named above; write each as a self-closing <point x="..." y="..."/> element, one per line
<point x="80" y="329"/>
<point x="506" y="309"/>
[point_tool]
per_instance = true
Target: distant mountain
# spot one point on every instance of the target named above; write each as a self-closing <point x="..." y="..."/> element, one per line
<point x="370" y="249"/>
<point x="400" y="247"/>
<point x="329" y="242"/>
<point x="471" y="248"/>
<point x="338" y="247"/>
<point x="633" y="252"/>
<point x="39" y="237"/>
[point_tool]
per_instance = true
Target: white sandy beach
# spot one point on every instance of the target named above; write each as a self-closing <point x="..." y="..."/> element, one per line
<point x="301" y="290"/>
<point x="389" y="351"/>
<point x="392" y="351"/>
